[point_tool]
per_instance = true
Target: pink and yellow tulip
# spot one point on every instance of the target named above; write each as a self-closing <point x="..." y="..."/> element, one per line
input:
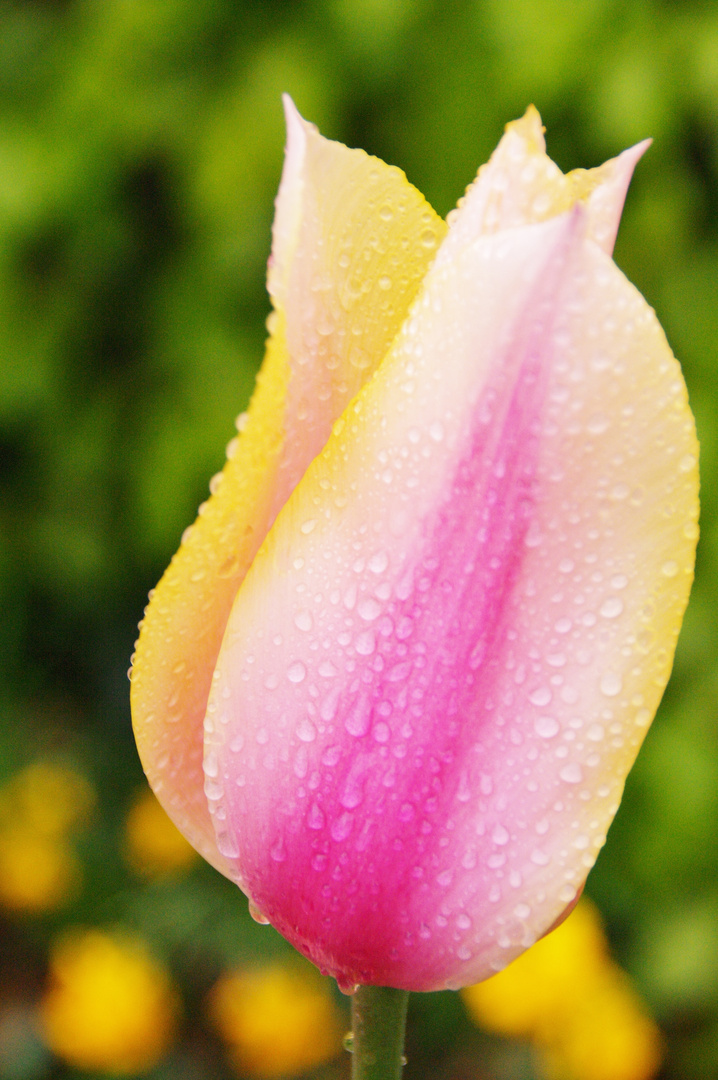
<point x="393" y="680"/>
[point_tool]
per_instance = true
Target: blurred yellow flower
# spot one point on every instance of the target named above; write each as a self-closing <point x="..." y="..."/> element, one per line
<point x="153" y="844"/>
<point x="278" y="1020"/>
<point x="37" y="873"/>
<point x="572" y="1001"/>
<point x="110" y="1006"/>
<point x="39" y="807"/>
<point x="49" y="797"/>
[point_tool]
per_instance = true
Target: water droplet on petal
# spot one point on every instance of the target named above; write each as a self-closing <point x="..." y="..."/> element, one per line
<point x="303" y="620"/>
<point x="257" y="915"/>
<point x="296" y="672"/>
<point x="611" y="608"/>
<point x="571" y="773"/>
<point x="306" y="731"/>
<point x="546" y="727"/>
<point x="277" y="851"/>
<point x="500" y="835"/>
<point x="611" y="684"/>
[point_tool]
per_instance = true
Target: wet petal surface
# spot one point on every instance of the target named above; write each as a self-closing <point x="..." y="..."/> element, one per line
<point x="443" y="661"/>
<point x="352" y="241"/>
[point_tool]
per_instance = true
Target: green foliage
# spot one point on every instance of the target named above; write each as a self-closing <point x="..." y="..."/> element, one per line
<point x="140" y="150"/>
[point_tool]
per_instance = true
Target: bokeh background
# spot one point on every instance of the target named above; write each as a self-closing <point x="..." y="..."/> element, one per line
<point x="141" y="145"/>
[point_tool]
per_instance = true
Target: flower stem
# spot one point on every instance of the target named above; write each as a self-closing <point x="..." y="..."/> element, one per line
<point x="378" y="1025"/>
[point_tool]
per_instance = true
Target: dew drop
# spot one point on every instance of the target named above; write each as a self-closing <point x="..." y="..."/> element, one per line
<point x="303" y="620"/>
<point x="277" y="851"/>
<point x="306" y="731"/>
<point x="365" y="643"/>
<point x="257" y="915"/>
<point x="341" y="827"/>
<point x="296" y="672"/>
<point x="571" y="773"/>
<point x="670" y="568"/>
<point x="611" y="608"/>
<point x="378" y="562"/>
<point x="611" y="684"/>
<point x="500" y="835"/>
<point x="369" y="609"/>
<point x="598" y="424"/>
<point x="540" y="697"/>
<point x="546" y="727"/>
<point x="331" y="756"/>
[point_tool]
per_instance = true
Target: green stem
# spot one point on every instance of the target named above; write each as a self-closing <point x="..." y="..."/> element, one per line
<point x="378" y="1025"/>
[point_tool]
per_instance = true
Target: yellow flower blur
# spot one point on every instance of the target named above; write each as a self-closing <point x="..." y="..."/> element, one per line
<point x="572" y="1001"/>
<point x="110" y="1007"/>
<point x="153" y="845"/>
<point x="277" y="1020"/>
<point x="39" y="809"/>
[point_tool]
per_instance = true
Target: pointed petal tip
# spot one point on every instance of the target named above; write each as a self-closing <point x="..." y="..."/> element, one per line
<point x="296" y="124"/>
<point x="530" y="128"/>
<point x="633" y="154"/>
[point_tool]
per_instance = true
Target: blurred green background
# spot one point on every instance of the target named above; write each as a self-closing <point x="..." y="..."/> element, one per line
<point x="141" y="146"/>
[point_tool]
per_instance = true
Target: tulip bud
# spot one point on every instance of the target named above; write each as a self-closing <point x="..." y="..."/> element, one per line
<point x="422" y="625"/>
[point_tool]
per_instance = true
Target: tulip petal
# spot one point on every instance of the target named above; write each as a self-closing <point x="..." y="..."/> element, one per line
<point x="521" y="185"/>
<point x="444" y="658"/>
<point x="352" y="242"/>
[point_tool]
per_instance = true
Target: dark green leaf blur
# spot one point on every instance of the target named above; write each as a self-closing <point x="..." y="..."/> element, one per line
<point x="141" y="144"/>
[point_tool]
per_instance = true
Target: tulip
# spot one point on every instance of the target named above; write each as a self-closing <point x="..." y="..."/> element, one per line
<point x="394" y="679"/>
